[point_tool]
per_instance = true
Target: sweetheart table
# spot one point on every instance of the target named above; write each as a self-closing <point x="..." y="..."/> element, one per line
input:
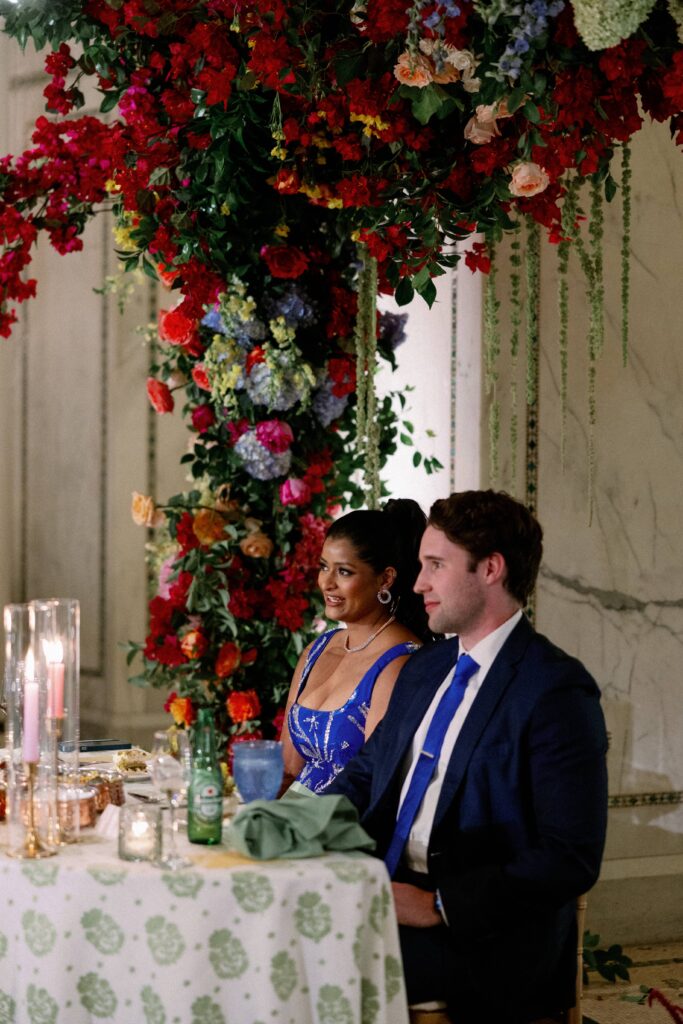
<point x="86" y="937"/>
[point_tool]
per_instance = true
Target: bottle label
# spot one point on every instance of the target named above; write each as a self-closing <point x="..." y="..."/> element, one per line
<point x="207" y="803"/>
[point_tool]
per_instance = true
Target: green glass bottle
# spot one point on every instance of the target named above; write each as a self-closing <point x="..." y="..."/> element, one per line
<point x="205" y="796"/>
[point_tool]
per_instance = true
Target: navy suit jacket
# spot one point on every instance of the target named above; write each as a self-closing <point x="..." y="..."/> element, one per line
<point x="520" y="823"/>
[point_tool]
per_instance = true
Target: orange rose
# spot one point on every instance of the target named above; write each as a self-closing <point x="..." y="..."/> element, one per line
<point x="243" y="705"/>
<point x="193" y="644"/>
<point x="413" y="69"/>
<point x="145" y="512"/>
<point x="228" y="659"/>
<point x="208" y="526"/>
<point x="181" y="709"/>
<point x="256" y="545"/>
<point x="528" y="179"/>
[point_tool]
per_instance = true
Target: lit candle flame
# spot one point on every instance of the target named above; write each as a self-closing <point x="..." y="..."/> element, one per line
<point x="53" y="651"/>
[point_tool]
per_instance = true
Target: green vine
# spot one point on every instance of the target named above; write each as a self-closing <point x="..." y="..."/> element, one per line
<point x="568" y="230"/>
<point x="491" y="355"/>
<point x="515" y="325"/>
<point x="367" y="424"/>
<point x="625" y="248"/>
<point x="532" y="266"/>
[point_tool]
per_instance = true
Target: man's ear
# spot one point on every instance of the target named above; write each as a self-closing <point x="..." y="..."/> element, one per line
<point x="495" y="568"/>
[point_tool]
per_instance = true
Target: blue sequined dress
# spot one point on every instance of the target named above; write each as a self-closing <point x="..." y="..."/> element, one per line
<point x="327" y="740"/>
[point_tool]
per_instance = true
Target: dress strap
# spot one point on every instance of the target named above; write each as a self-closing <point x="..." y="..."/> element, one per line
<point x="317" y="648"/>
<point x="367" y="683"/>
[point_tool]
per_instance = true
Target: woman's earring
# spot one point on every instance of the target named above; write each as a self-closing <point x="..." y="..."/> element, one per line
<point x="384" y="596"/>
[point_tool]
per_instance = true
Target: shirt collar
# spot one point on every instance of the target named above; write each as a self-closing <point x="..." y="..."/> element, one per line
<point x="486" y="651"/>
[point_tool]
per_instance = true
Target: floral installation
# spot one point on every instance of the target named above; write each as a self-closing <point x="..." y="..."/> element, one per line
<point x="235" y="558"/>
<point x="276" y="166"/>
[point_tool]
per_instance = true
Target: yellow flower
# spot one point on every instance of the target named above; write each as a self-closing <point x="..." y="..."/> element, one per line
<point x="282" y="230"/>
<point x="111" y="185"/>
<point x="278" y="152"/>
<point x="225" y="210"/>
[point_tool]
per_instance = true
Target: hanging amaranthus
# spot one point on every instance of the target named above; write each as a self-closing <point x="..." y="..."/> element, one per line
<point x="625" y="247"/>
<point x="515" y="325"/>
<point x="367" y="425"/>
<point x="568" y="229"/>
<point x="491" y="354"/>
<point x="532" y="265"/>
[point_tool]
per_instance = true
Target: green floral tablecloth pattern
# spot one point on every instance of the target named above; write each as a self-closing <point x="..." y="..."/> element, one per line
<point x="86" y="938"/>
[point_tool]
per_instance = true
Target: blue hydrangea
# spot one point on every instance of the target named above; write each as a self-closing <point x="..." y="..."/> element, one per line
<point x="532" y="22"/>
<point x="294" y="305"/>
<point x="276" y="390"/>
<point x="392" y="329"/>
<point x="326" y="406"/>
<point x="214" y="321"/>
<point x="258" y="461"/>
<point x="247" y="332"/>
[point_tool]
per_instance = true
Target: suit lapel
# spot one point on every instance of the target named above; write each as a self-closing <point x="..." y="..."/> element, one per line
<point x="500" y="676"/>
<point x="433" y="671"/>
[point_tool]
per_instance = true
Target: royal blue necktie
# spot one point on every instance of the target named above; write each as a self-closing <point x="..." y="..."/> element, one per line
<point x="428" y="759"/>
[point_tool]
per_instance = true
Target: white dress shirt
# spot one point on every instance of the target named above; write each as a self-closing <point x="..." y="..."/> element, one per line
<point x="484" y="653"/>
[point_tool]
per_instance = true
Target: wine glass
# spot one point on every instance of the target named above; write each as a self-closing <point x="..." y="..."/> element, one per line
<point x="258" y="769"/>
<point x="170" y="769"/>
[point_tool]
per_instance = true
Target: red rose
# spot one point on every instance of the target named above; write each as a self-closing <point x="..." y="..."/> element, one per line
<point x="177" y="328"/>
<point x="278" y="722"/>
<point x="243" y="705"/>
<point x="159" y="395"/>
<point x="200" y="377"/>
<point x="285" y="260"/>
<point x="194" y="644"/>
<point x="228" y="659"/>
<point x="203" y="417"/>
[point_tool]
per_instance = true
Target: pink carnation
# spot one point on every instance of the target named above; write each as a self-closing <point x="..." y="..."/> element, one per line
<point x="275" y="435"/>
<point x="295" y="492"/>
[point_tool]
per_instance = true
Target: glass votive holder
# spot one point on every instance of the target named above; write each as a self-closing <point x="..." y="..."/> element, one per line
<point x="139" y="832"/>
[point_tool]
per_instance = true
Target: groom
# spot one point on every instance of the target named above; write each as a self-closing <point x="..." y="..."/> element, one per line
<point x="485" y="784"/>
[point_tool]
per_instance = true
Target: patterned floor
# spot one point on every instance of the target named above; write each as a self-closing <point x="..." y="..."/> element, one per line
<point x="659" y="967"/>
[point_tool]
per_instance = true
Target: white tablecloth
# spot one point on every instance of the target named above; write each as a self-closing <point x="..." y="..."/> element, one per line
<point x="86" y="937"/>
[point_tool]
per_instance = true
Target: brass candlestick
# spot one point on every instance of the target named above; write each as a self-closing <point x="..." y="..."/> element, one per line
<point x="33" y="847"/>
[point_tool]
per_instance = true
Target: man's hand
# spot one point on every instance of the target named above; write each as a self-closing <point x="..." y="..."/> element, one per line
<point x="414" y="906"/>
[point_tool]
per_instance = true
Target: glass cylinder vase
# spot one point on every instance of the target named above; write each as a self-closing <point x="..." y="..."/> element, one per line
<point x="55" y="638"/>
<point x="31" y="765"/>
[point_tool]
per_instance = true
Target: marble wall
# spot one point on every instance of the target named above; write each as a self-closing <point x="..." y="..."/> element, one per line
<point x="611" y="589"/>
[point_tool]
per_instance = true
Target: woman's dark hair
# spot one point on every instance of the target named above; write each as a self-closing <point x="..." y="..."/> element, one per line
<point x="391" y="536"/>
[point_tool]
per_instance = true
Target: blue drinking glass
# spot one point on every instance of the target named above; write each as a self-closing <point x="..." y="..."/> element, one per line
<point x="258" y="768"/>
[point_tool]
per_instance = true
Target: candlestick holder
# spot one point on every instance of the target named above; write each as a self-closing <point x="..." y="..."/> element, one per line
<point x="32" y="847"/>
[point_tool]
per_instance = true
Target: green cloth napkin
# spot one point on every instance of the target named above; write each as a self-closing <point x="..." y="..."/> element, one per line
<point x="297" y="826"/>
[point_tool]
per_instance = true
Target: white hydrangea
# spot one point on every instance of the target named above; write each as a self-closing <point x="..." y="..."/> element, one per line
<point x="604" y="23"/>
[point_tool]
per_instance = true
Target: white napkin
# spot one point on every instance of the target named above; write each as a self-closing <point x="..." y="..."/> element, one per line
<point x="108" y="824"/>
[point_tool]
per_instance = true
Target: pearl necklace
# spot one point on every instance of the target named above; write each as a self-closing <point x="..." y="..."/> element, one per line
<point x="373" y="636"/>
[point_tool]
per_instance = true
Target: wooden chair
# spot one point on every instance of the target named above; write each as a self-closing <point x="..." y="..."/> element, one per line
<point x="437" y="1014"/>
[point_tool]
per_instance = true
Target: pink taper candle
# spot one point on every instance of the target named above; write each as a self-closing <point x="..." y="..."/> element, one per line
<point x="55" y="693"/>
<point x="30" y="745"/>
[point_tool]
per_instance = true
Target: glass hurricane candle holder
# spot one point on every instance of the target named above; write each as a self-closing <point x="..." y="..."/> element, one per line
<point x="31" y="778"/>
<point x="55" y="640"/>
<point x="139" y="832"/>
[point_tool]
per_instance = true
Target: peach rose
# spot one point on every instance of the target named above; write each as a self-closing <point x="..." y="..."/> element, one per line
<point x="181" y="708"/>
<point x="482" y="128"/>
<point x="256" y="545"/>
<point x="413" y="69"/>
<point x="208" y="526"/>
<point x="145" y="512"/>
<point x="528" y="179"/>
